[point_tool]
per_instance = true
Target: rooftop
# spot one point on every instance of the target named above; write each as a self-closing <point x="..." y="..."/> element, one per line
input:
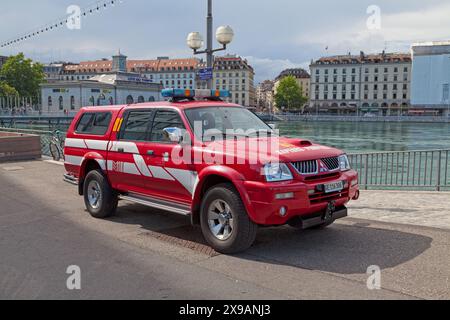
<point x="363" y="58"/>
<point x="298" y="73"/>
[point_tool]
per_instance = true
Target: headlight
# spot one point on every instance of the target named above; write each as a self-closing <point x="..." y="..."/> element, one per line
<point x="344" y="164"/>
<point x="277" y="172"/>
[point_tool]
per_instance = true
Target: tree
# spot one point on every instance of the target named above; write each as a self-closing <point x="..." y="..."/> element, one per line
<point x="23" y="75"/>
<point x="6" y="90"/>
<point x="289" y="94"/>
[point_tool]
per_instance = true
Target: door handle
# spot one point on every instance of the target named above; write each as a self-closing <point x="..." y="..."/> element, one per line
<point x="150" y="153"/>
<point x="121" y="150"/>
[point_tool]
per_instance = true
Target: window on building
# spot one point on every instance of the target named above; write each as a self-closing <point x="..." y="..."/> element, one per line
<point x="394" y="96"/>
<point x="72" y="103"/>
<point x="61" y="103"/>
<point x="334" y="71"/>
<point x="130" y="99"/>
<point x="141" y="99"/>
<point x="317" y="71"/>
<point x="50" y="103"/>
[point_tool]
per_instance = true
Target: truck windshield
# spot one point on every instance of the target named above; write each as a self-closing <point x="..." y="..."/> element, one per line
<point x="226" y="123"/>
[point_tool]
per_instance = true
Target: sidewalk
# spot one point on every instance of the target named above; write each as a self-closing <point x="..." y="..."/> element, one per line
<point x="428" y="209"/>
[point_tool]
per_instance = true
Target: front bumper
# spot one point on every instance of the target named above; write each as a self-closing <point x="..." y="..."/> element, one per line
<point x="263" y="206"/>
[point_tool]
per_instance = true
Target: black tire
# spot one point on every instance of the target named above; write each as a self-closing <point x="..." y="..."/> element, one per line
<point x="108" y="199"/>
<point x="244" y="230"/>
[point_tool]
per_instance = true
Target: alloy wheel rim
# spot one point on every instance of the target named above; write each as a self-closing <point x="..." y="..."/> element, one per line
<point x="94" y="195"/>
<point x="220" y="220"/>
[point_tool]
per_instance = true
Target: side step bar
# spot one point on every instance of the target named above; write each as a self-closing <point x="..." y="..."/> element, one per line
<point x="71" y="179"/>
<point x="157" y="204"/>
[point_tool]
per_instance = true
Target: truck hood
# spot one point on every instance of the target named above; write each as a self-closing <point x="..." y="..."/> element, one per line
<point x="273" y="149"/>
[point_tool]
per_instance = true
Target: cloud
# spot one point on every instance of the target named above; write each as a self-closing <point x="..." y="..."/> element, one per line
<point x="398" y="31"/>
<point x="266" y="68"/>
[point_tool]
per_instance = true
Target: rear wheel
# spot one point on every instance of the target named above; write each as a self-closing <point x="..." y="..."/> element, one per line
<point x="100" y="199"/>
<point x="225" y="223"/>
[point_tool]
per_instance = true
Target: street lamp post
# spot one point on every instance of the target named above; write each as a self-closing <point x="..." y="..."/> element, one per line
<point x="224" y="35"/>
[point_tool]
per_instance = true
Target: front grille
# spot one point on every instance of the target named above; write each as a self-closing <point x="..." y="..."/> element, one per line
<point x="306" y="167"/>
<point x="331" y="163"/>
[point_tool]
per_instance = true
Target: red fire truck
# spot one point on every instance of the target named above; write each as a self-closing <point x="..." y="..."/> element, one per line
<point x="216" y="162"/>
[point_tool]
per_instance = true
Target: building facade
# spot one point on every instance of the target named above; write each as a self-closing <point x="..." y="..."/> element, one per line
<point x="230" y="73"/>
<point x="265" y="96"/>
<point x="114" y="88"/>
<point x="170" y="73"/>
<point x="376" y="84"/>
<point x="233" y="73"/>
<point x="431" y="78"/>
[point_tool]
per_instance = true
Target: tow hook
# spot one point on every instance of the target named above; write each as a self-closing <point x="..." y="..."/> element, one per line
<point x="331" y="209"/>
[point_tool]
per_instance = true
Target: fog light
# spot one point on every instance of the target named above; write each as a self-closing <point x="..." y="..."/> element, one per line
<point x="283" y="211"/>
<point x="311" y="192"/>
<point x="284" y="196"/>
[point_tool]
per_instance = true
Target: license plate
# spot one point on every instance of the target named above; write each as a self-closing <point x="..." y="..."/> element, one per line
<point x="334" y="187"/>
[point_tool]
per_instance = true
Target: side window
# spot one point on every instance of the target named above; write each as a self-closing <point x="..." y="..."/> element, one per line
<point x="94" y="123"/>
<point x="165" y="119"/>
<point x="137" y="126"/>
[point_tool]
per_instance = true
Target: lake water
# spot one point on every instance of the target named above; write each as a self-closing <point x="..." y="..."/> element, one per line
<point x="372" y="136"/>
<point x="357" y="137"/>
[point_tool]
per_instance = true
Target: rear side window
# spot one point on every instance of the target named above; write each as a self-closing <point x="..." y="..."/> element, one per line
<point x="95" y="123"/>
<point x="137" y="126"/>
<point x="165" y="119"/>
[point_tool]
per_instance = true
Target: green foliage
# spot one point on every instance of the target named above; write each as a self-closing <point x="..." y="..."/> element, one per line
<point x="289" y="94"/>
<point x="6" y="90"/>
<point x="23" y="75"/>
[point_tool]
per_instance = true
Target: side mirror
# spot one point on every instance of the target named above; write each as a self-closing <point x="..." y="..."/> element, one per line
<point x="175" y="135"/>
<point x="273" y="126"/>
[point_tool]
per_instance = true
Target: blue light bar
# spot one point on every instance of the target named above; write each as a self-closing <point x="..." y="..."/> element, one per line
<point x="199" y="93"/>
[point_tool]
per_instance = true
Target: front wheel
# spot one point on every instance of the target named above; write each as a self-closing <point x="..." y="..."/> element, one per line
<point x="225" y="223"/>
<point x="100" y="200"/>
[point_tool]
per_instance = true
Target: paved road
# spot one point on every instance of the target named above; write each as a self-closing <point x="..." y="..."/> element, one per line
<point x="143" y="254"/>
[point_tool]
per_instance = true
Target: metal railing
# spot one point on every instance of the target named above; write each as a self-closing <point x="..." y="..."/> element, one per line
<point x="413" y="170"/>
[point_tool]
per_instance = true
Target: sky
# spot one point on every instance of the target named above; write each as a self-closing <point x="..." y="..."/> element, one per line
<point x="271" y="35"/>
